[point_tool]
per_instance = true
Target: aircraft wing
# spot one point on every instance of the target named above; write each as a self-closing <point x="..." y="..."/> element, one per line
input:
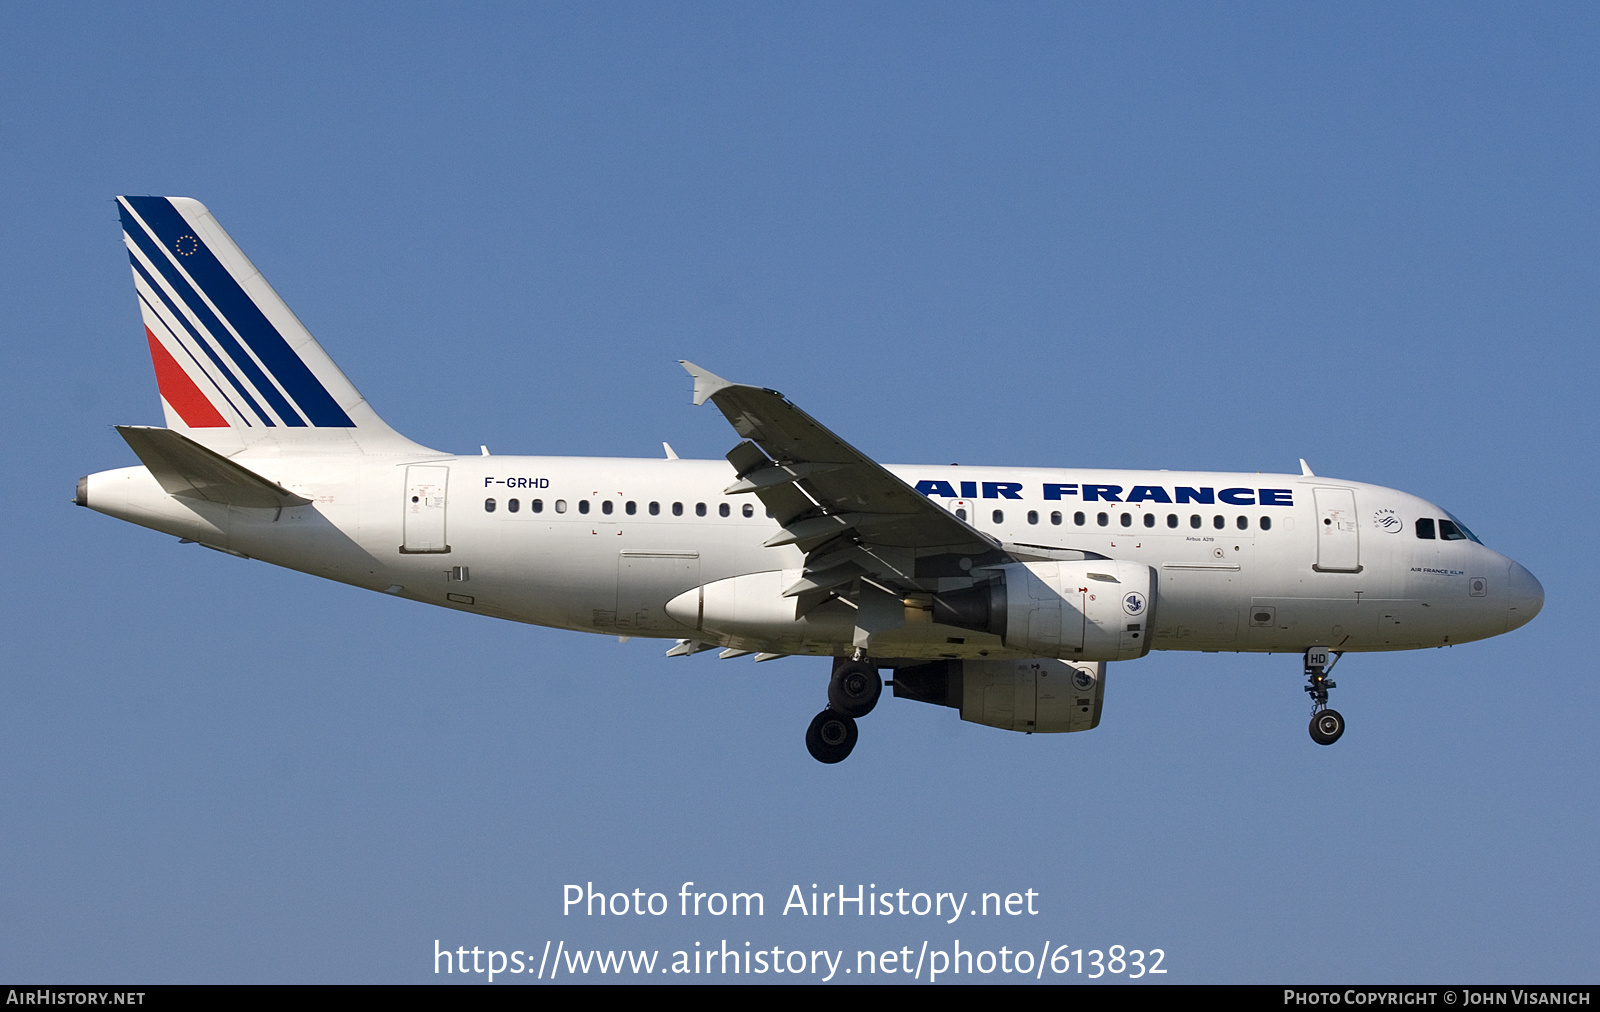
<point x="849" y="515"/>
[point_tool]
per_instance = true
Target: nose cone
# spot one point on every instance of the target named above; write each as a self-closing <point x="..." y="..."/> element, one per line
<point x="1527" y="597"/>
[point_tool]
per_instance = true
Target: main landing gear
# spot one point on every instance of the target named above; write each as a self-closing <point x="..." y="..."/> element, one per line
<point x="1326" y="724"/>
<point x="852" y="692"/>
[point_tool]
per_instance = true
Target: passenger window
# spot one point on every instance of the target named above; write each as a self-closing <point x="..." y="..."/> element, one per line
<point x="699" y="509"/>
<point x="536" y="506"/>
<point x="1218" y="522"/>
<point x="1055" y="518"/>
<point x="1127" y="519"/>
<point x="606" y="507"/>
<point x="1194" y="521"/>
<point x="488" y="505"/>
<point x="1266" y="523"/>
<point x="1033" y="516"/>
<point x="1102" y="519"/>
<point x="1448" y="531"/>
<point x="1149" y="519"/>
<point x="677" y="509"/>
<point x="1172" y="519"/>
<point x="513" y="505"/>
<point x="1243" y="523"/>
<point x="961" y="513"/>
<point x="561" y="505"/>
<point x="1077" y="518"/>
<point x="655" y="509"/>
<point x="723" y="510"/>
<point x="999" y="517"/>
<point x="583" y="506"/>
<point x="748" y="511"/>
<point x="631" y="508"/>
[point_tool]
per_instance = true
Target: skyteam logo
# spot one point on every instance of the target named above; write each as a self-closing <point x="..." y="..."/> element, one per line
<point x="1387" y="520"/>
<point x="1133" y="603"/>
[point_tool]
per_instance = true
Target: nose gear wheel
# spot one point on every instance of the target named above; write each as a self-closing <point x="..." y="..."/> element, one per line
<point x="1326" y="724"/>
<point x="1326" y="727"/>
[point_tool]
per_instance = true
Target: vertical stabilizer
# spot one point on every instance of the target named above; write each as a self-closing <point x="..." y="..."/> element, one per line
<point x="237" y="370"/>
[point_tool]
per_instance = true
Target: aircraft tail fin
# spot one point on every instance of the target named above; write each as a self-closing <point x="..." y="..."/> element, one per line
<point x="236" y="369"/>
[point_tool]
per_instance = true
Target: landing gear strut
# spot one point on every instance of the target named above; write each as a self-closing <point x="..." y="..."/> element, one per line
<point x="1326" y="724"/>
<point x="852" y="692"/>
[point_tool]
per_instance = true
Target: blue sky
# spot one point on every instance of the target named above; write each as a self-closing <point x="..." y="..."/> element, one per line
<point x="1119" y="235"/>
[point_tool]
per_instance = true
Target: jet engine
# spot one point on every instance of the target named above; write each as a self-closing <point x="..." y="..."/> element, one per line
<point x="1096" y="610"/>
<point x="1041" y="694"/>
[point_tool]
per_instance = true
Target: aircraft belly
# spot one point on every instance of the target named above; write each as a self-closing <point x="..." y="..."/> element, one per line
<point x="1198" y="608"/>
<point x="1290" y="624"/>
<point x="570" y="573"/>
<point x="307" y="539"/>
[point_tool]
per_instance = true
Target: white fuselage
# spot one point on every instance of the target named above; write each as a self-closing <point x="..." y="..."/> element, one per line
<point x="1336" y="563"/>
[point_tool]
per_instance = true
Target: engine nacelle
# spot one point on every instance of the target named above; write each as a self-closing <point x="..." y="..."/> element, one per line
<point x="1042" y="694"/>
<point x="1083" y="611"/>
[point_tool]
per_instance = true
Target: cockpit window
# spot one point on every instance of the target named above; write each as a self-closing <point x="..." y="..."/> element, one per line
<point x="1459" y="526"/>
<point x="1425" y="528"/>
<point x="1448" y="531"/>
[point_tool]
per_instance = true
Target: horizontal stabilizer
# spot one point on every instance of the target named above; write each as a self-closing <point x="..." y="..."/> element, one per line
<point x="184" y="467"/>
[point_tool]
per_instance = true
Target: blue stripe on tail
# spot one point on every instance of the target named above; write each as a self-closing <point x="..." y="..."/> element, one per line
<point x="204" y="346"/>
<point x="257" y="332"/>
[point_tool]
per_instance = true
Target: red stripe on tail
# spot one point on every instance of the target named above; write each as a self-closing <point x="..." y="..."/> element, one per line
<point x="178" y="390"/>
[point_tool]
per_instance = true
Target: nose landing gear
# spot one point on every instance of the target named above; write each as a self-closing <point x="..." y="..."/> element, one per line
<point x="1326" y="724"/>
<point x="1326" y="727"/>
<point x="853" y="691"/>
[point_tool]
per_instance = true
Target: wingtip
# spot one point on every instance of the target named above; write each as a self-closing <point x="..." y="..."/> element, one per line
<point x="706" y="382"/>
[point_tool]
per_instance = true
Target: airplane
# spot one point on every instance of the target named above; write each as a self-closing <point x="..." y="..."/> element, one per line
<point x="1001" y="592"/>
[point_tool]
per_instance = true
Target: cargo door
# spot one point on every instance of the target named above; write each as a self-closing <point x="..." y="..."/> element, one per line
<point x="646" y="581"/>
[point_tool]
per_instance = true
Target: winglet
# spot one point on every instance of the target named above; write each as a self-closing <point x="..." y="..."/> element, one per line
<point x="1305" y="469"/>
<point x="705" y="383"/>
